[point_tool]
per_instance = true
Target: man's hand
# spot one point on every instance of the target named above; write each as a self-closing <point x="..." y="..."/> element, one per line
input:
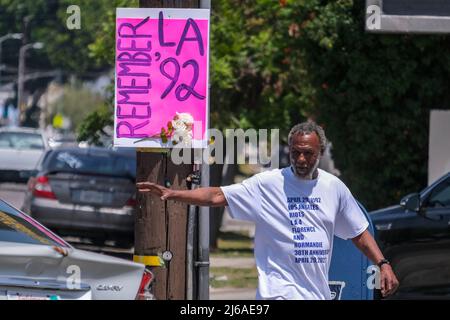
<point x="208" y="197"/>
<point x="388" y="280"/>
<point x="366" y="243"/>
<point x="156" y="189"/>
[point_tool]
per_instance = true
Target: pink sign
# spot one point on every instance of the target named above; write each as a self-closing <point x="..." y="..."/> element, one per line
<point x="162" y="67"/>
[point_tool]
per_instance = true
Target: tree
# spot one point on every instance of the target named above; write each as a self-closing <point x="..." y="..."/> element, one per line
<point x="71" y="51"/>
<point x="75" y="103"/>
<point x="103" y="51"/>
<point x="373" y="93"/>
<point x="274" y="64"/>
<point x="297" y="59"/>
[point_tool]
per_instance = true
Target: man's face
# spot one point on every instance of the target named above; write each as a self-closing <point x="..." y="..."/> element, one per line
<point x="304" y="153"/>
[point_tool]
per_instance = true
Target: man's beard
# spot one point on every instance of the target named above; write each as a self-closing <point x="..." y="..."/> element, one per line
<point x="310" y="174"/>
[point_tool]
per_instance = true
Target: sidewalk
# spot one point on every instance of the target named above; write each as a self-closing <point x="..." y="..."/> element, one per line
<point x="232" y="294"/>
<point x="229" y="293"/>
<point x="244" y="263"/>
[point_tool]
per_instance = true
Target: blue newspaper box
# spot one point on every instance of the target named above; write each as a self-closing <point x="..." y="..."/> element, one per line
<point x="351" y="272"/>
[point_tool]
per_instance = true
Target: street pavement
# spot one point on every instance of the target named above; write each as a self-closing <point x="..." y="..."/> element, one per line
<point x="232" y="294"/>
<point x="241" y="263"/>
<point x="13" y="193"/>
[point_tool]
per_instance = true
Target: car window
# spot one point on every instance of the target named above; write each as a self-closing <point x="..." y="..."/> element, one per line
<point x="15" y="226"/>
<point x="112" y="164"/>
<point x="440" y="196"/>
<point x="42" y="160"/>
<point x="21" y="140"/>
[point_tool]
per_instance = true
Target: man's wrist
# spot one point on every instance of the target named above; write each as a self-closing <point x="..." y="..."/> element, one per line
<point x="383" y="262"/>
<point x="172" y="195"/>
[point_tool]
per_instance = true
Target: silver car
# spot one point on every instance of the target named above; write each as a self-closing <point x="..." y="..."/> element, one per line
<point x="85" y="192"/>
<point x="20" y="149"/>
<point x="36" y="264"/>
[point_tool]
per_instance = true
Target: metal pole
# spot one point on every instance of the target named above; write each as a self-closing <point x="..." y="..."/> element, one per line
<point x="20" y="82"/>
<point x="21" y="76"/>
<point x="190" y="247"/>
<point x="203" y="254"/>
<point x="1" y="66"/>
<point x="4" y="38"/>
<point x="203" y="221"/>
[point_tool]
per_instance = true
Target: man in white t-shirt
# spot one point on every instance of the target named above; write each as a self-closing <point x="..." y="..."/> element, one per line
<point x="297" y="212"/>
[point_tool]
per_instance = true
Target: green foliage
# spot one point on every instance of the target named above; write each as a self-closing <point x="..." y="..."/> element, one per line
<point x="275" y="63"/>
<point x="46" y="21"/>
<point x="103" y="48"/>
<point x="85" y="53"/>
<point x="76" y="103"/>
<point x="278" y="62"/>
<point x="373" y="94"/>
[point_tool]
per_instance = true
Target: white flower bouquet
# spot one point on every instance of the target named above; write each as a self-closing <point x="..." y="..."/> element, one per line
<point x="179" y="130"/>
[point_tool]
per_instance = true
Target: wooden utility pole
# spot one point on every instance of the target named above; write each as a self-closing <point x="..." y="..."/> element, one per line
<point x="161" y="226"/>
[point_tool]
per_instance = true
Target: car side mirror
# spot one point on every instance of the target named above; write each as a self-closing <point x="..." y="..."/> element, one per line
<point x="411" y="202"/>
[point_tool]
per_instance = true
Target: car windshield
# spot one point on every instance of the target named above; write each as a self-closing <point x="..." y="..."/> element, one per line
<point x="93" y="162"/>
<point x="16" y="226"/>
<point x="21" y="140"/>
<point x="440" y="197"/>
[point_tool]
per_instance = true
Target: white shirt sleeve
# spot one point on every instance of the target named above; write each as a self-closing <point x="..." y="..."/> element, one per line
<point x="350" y="220"/>
<point x="244" y="199"/>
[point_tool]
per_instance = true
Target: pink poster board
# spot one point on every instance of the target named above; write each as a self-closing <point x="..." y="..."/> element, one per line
<point x="162" y="68"/>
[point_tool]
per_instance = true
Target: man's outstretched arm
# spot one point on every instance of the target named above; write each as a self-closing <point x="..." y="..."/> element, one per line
<point x="366" y="243"/>
<point x="207" y="197"/>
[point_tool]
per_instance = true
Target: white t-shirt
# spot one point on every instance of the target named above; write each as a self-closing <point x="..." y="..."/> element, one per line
<point x="295" y="222"/>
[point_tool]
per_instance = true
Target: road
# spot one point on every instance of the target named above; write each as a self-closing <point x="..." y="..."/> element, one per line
<point x="13" y="193"/>
<point x="232" y="294"/>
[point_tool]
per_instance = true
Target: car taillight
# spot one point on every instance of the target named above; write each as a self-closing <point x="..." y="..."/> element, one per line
<point x="41" y="188"/>
<point x="131" y="202"/>
<point x="31" y="183"/>
<point x="144" y="289"/>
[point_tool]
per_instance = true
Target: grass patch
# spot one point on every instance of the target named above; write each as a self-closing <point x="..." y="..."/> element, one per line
<point x="232" y="277"/>
<point x="248" y="170"/>
<point x="232" y="245"/>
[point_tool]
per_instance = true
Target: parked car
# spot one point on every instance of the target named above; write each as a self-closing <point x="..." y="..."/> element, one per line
<point x="415" y="237"/>
<point x="62" y="140"/>
<point x="85" y="192"/>
<point x="20" y="149"/>
<point x="37" y="264"/>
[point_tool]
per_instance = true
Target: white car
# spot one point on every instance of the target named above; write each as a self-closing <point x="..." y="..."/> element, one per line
<point x="36" y="264"/>
<point x="20" y="150"/>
